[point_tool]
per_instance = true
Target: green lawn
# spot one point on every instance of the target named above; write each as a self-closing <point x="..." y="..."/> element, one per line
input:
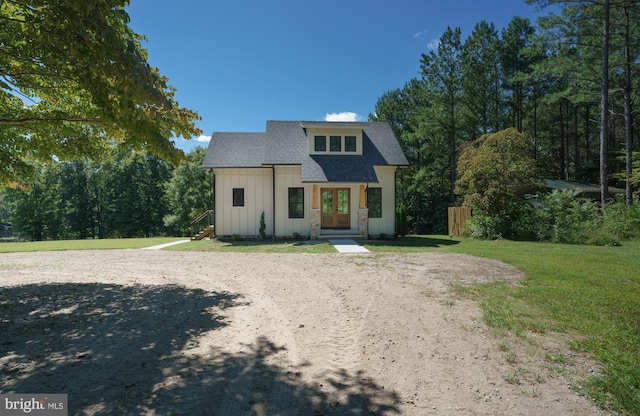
<point x="251" y="246"/>
<point x="115" y="243"/>
<point x="589" y="294"/>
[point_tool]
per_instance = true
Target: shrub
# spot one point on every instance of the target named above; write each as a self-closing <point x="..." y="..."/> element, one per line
<point x="622" y="221"/>
<point x="483" y="227"/>
<point x="263" y="225"/>
<point x="566" y="218"/>
<point x="402" y="222"/>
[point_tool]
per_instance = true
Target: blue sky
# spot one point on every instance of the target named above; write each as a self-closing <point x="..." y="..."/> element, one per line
<point x="239" y="63"/>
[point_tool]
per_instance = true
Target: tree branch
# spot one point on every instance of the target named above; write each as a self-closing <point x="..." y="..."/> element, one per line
<point x="25" y="121"/>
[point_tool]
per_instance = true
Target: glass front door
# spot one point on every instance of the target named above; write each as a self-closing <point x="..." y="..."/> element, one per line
<point x="336" y="208"/>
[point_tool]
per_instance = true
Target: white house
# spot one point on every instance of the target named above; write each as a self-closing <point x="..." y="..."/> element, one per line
<point x="309" y="178"/>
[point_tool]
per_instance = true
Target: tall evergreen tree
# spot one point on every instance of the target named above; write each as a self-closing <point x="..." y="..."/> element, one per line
<point x="442" y="76"/>
<point x="481" y="80"/>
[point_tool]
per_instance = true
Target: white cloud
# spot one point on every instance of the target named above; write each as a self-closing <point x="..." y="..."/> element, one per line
<point x="204" y="139"/>
<point x="433" y="44"/>
<point x="419" y="34"/>
<point x="345" y="116"/>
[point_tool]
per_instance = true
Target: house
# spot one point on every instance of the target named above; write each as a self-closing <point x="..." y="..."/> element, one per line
<point x="309" y="178"/>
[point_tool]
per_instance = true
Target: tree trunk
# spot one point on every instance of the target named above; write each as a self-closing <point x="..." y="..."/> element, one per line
<point x="604" y="108"/>
<point x="628" y="134"/>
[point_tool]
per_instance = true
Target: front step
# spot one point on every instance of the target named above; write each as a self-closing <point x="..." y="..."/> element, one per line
<point x="207" y="232"/>
<point x="336" y="236"/>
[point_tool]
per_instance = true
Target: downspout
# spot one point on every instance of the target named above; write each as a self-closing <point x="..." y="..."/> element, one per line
<point x="213" y="195"/>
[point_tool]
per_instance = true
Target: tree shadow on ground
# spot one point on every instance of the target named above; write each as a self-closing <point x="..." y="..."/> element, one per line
<point x="130" y="350"/>
<point x="414" y="242"/>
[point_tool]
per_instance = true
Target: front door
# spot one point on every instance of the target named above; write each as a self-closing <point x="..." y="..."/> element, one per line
<point x="336" y="212"/>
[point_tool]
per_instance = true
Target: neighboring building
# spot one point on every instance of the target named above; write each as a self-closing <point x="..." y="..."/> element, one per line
<point x="309" y="179"/>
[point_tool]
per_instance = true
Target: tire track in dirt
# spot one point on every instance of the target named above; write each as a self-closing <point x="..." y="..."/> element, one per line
<point x="264" y="334"/>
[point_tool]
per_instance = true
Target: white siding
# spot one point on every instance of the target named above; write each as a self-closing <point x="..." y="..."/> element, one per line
<point x="291" y="177"/>
<point x="258" y="196"/>
<point x="245" y="221"/>
<point x="386" y="224"/>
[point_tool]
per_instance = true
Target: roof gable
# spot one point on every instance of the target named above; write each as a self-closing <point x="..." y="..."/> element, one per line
<point x="286" y="143"/>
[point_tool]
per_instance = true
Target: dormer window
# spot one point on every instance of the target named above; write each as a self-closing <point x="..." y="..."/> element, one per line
<point x="350" y="143"/>
<point x="334" y="138"/>
<point x="320" y="143"/>
<point x="335" y="143"/>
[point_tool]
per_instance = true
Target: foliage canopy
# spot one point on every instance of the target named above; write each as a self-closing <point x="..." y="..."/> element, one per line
<point x="73" y="80"/>
<point x="490" y="166"/>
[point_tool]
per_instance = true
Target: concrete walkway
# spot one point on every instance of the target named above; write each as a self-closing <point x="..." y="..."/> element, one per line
<point x="348" y="246"/>
<point x="161" y="246"/>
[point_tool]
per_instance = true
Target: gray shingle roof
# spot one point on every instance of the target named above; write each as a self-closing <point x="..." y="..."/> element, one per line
<point x="286" y="143"/>
<point x="235" y="150"/>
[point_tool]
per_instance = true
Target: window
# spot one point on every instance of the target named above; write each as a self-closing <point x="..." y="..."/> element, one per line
<point x="374" y="202"/>
<point x="320" y="143"/>
<point x="238" y="197"/>
<point x="349" y="143"/>
<point x="296" y="202"/>
<point x="335" y="143"/>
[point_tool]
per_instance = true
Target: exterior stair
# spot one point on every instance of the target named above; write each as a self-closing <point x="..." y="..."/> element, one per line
<point x="207" y="232"/>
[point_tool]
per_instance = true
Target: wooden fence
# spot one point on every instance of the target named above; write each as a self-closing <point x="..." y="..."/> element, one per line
<point x="458" y="216"/>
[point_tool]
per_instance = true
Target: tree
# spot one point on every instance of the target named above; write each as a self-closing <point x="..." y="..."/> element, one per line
<point x="78" y="204"/>
<point x="515" y="62"/>
<point x="604" y="107"/>
<point x="73" y="79"/>
<point x="424" y="185"/>
<point x="36" y="208"/>
<point x="602" y="46"/>
<point x="481" y="80"/>
<point x="489" y="168"/>
<point x="442" y="76"/>
<point x="139" y="195"/>
<point x="188" y="193"/>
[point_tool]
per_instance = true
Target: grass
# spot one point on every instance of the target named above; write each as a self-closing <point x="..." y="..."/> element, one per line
<point x="257" y="246"/>
<point x="104" y="244"/>
<point x="589" y="294"/>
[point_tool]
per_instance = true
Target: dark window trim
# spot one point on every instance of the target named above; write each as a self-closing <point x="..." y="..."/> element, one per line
<point x="333" y="141"/>
<point x="322" y="141"/>
<point x="375" y="207"/>
<point x="354" y="142"/>
<point x="296" y="207"/>
<point x="238" y="197"/>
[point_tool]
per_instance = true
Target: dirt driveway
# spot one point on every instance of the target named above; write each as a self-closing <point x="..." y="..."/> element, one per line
<point x="140" y="332"/>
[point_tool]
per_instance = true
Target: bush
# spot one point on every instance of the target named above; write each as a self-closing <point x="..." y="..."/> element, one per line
<point x="402" y="222"/>
<point x="483" y="227"/>
<point x="263" y="225"/>
<point x="514" y="221"/>
<point x="564" y="217"/>
<point x="560" y="217"/>
<point x="621" y="221"/>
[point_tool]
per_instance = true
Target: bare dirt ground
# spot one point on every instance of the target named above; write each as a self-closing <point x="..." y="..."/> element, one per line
<point x="142" y="332"/>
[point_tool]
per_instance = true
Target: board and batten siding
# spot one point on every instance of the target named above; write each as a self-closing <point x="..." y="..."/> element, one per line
<point x="258" y="194"/>
<point x="386" y="181"/>
<point x="290" y="177"/>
